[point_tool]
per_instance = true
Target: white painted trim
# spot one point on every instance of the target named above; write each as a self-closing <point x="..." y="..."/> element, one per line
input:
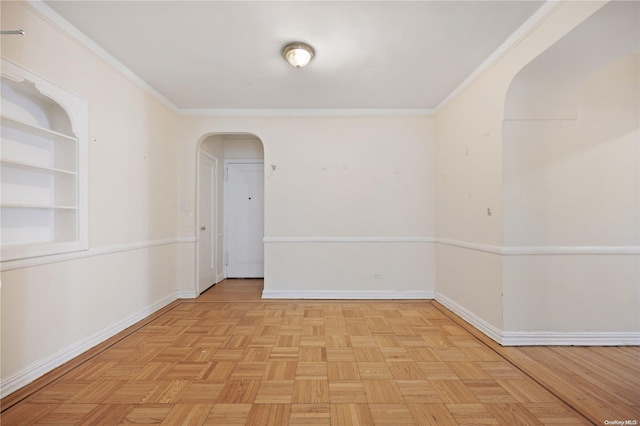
<point x="181" y="240"/>
<point x="53" y="17"/>
<point x="56" y="19"/>
<point x="243" y="161"/>
<point x="542" y="250"/>
<point x="471" y="246"/>
<point x="77" y="110"/>
<point x="570" y="250"/>
<point x="514" y="39"/>
<point x="538" y="338"/>
<point x="186" y="294"/>
<point x="96" y="251"/>
<point x="202" y="153"/>
<point x="499" y="250"/>
<point x="302" y="112"/>
<point x="567" y="338"/>
<point x="347" y="294"/>
<point x="483" y="326"/>
<point x="221" y="276"/>
<point x="37" y="369"/>
<point x="269" y="240"/>
<point x="208" y="155"/>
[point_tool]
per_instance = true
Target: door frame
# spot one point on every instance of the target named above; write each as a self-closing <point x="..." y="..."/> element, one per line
<point x="214" y="213"/>
<point x="225" y="204"/>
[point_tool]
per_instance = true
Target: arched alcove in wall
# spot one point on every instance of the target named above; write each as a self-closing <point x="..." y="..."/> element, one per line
<point x="230" y="203"/>
<point x="568" y="136"/>
<point x="571" y="179"/>
<point x="44" y="167"/>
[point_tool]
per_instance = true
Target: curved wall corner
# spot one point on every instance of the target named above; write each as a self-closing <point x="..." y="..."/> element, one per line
<point x="571" y="182"/>
<point x="549" y="86"/>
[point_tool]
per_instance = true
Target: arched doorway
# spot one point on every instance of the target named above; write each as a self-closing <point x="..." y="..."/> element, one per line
<point x="229" y="208"/>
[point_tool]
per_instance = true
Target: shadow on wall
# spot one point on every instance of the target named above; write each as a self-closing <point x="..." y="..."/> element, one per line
<point x="571" y="179"/>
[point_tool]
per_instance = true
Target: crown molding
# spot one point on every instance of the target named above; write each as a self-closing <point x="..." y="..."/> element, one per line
<point x="53" y="17"/>
<point x="56" y="19"/>
<point x="306" y="112"/>
<point x="534" y="20"/>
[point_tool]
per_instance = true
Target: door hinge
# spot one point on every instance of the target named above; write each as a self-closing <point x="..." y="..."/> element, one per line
<point x="226" y="259"/>
<point x="226" y="174"/>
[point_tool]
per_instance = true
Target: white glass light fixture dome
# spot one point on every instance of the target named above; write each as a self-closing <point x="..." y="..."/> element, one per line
<point x="298" y="54"/>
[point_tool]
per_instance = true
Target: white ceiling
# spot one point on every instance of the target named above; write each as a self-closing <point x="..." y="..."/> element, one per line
<point x="369" y="54"/>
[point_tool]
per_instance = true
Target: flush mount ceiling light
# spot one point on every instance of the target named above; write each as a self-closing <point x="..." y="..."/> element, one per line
<point x="298" y="54"/>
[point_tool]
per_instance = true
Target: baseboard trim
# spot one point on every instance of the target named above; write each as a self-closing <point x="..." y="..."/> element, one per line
<point x="491" y="331"/>
<point x="348" y="294"/>
<point x="44" y="366"/>
<point x="269" y="240"/>
<point x="186" y="294"/>
<point x="540" y="338"/>
<point x="551" y="338"/>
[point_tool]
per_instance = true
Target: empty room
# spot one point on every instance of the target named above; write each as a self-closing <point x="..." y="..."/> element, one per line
<point x="320" y="212"/>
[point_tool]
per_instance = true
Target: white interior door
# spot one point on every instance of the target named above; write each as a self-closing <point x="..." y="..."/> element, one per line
<point x="244" y="214"/>
<point x="207" y="228"/>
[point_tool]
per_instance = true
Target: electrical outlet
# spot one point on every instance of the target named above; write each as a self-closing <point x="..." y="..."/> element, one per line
<point x="377" y="275"/>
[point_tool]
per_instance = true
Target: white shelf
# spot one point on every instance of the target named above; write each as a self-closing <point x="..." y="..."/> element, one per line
<point x="35" y="130"/>
<point x="34" y="167"/>
<point x="44" y="167"/>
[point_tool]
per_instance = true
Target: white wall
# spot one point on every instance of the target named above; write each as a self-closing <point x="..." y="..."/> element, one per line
<point x="574" y="182"/>
<point x="562" y="254"/>
<point x="574" y="185"/>
<point x="54" y="311"/>
<point x="469" y="177"/>
<point x="243" y="147"/>
<point x="338" y="179"/>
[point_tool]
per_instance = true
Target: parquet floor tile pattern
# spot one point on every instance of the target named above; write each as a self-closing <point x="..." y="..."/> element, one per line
<point x="275" y="362"/>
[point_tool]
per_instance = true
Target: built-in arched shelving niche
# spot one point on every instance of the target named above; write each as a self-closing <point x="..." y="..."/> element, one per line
<point x="43" y="155"/>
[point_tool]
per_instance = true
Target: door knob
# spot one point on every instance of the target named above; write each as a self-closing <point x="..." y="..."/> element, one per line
<point x="203" y="228"/>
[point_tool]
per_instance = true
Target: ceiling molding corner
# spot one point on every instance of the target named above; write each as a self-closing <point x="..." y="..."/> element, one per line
<point x="515" y="38"/>
<point x="57" y="20"/>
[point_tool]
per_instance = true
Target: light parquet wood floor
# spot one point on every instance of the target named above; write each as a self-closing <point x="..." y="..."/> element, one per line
<point x="230" y="358"/>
